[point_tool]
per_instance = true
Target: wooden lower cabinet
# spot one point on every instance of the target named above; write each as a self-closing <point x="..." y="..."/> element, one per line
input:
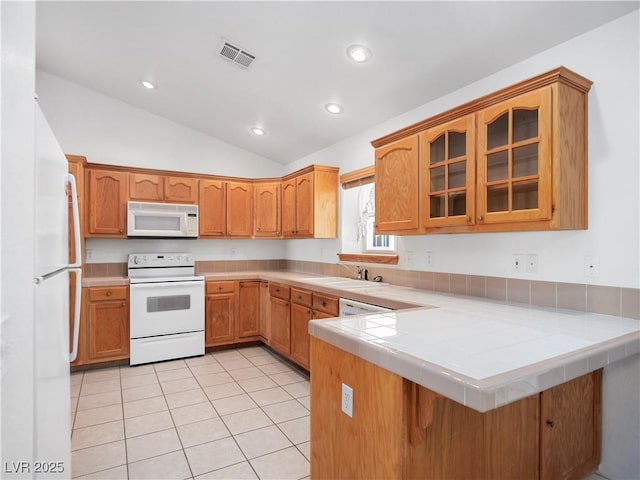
<point x="265" y="312"/>
<point x="107" y="321"/>
<point x="280" y="324"/>
<point x="249" y="309"/>
<point x="220" y="313"/>
<point x="300" y="317"/>
<point x="402" y="430"/>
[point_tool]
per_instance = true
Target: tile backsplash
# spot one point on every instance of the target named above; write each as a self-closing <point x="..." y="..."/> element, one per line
<point x="572" y="296"/>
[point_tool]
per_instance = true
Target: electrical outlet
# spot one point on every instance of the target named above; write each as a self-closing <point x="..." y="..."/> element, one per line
<point x="591" y="266"/>
<point x="347" y="400"/>
<point x="409" y="256"/>
<point x="429" y="259"/>
<point x="517" y="262"/>
<point x="234" y="252"/>
<point x="532" y="263"/>
<point x="88" y="254"/>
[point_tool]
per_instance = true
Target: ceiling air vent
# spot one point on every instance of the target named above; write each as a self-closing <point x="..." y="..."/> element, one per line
<point x="236" y="55"/>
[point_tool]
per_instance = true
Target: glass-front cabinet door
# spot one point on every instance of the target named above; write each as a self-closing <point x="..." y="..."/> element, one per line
<point x="514" y="159"/>
<point x="448" y="173"/>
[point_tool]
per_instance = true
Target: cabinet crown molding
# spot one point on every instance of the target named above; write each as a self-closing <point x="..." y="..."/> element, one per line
<point x="560" y="75"/>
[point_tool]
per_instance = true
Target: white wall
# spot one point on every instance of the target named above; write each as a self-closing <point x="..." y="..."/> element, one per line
<point x="105" y="250"/>
<point x="106" y="130"/>
<point x="609" y="56"/>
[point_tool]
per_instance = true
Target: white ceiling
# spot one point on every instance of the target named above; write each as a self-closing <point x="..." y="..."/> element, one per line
<point x="421" y="51"/>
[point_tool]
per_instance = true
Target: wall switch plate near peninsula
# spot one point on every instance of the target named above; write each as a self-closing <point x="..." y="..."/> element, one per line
<point x="517" y="262"/>
<point x="347" y="400"/>
<point x="591" y="266"/>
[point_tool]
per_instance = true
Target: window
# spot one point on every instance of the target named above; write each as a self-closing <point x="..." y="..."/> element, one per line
<point x="366" y="232"/>
<point x="378" y="243"/>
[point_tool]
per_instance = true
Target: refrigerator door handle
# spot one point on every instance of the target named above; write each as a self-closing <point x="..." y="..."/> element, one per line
<point x="76" y="221"/>
<point x="76" y="313"/>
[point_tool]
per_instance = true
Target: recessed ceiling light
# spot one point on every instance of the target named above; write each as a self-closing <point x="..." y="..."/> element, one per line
<point x="258" y="131"/>
<point x="359" y="53"/>
<point x="148" y="85"/>
<point x="333" y="108"/>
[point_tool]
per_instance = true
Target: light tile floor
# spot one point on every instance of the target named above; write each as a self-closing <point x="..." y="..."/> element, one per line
<point x="237" y="414"/>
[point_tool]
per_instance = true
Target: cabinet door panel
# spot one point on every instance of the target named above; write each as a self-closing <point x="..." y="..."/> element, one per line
<point x="146" y="188"/>
<point x="219" y="327"/>
<point x="107" y="203"/>
<point x="249" y="309"/>
<point x="181" y="189"/>
<point x="289" y="199"/>
<point x="397" y="186"/>
<point x="239" y="209"/>
<point x="265" y="312"/>
<point x="514" y="160"/>
<point x="108" y="330"/>
<point x="213" y="208"/>
<point x="570" y="428"/>
<point x="448" y="173"/>
<point x="280" y="324"/>
<point x="267" y="210"/>
<point x="304" y="205"/>
<point x="300" y="317"/>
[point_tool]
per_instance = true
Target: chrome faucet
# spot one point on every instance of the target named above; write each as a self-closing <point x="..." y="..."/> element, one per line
<point x="359" y="272"/>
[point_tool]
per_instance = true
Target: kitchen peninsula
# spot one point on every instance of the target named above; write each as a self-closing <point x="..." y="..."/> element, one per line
<point x="462" y="388"/>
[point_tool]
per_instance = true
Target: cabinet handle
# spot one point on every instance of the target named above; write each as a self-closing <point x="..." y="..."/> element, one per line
<point x="550" y="423"/>
<point x="258" y="228"/>
<point x="479" y="218"/>
<point x="277" y="233"/>
<point x="468" y="218"/>
<point x="120" y="231"/>
<point x="123" y="304"/>
<point x="109" y="293"/>
<point x="324" y="304"/>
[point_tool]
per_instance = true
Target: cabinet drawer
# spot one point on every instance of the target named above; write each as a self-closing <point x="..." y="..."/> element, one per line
<point x="280" y="291"/>
<point x="221" y="287"/>
<point x="301" y="297"/>
<point x="97" y="294"/>
<point x="326" y="303"/>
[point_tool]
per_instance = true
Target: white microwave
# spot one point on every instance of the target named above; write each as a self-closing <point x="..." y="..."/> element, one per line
<point x="162" y="220"/>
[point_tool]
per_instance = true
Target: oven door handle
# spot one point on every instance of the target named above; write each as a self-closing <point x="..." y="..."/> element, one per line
<point x="141" y="286"/>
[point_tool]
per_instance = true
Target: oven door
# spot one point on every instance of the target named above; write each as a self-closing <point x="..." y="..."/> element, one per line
<point x="166" y="308"/>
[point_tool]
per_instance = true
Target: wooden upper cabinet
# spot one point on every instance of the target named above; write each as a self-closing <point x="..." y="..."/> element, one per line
<point x="226" y="209"/>
<point x="160" y="188"/>
<point x="213" y="208"/>
<point x="181" y="189"/>
<point x="310" y="203"/>
<point x="267" y="210"/>
<point x="448" y="173"/>
<point x="145" y="187"/>
<point x="514" y="160"/>
<point x="239" y="209"/>
<point x="304" y="204"/>
<point x="107" y="194"/>
<point x="289" y="207"/>
<point x="397" y="186"/>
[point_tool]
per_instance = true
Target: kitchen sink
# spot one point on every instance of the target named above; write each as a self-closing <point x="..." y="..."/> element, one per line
<point x="342" y="282"/>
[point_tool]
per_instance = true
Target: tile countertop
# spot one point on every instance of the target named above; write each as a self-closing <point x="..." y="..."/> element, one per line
<point x="478" y="352"/>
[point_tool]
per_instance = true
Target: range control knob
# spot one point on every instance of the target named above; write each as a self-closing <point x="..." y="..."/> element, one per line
<point x="136" y="260"/>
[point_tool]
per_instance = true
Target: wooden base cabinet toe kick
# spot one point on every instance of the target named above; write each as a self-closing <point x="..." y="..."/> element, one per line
<point x="402" y="430"/>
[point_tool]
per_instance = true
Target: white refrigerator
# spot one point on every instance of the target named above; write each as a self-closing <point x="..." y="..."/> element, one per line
<point x="53" y="187"/>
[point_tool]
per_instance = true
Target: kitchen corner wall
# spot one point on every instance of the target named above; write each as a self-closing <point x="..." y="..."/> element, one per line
<point x="609" y="56"/>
